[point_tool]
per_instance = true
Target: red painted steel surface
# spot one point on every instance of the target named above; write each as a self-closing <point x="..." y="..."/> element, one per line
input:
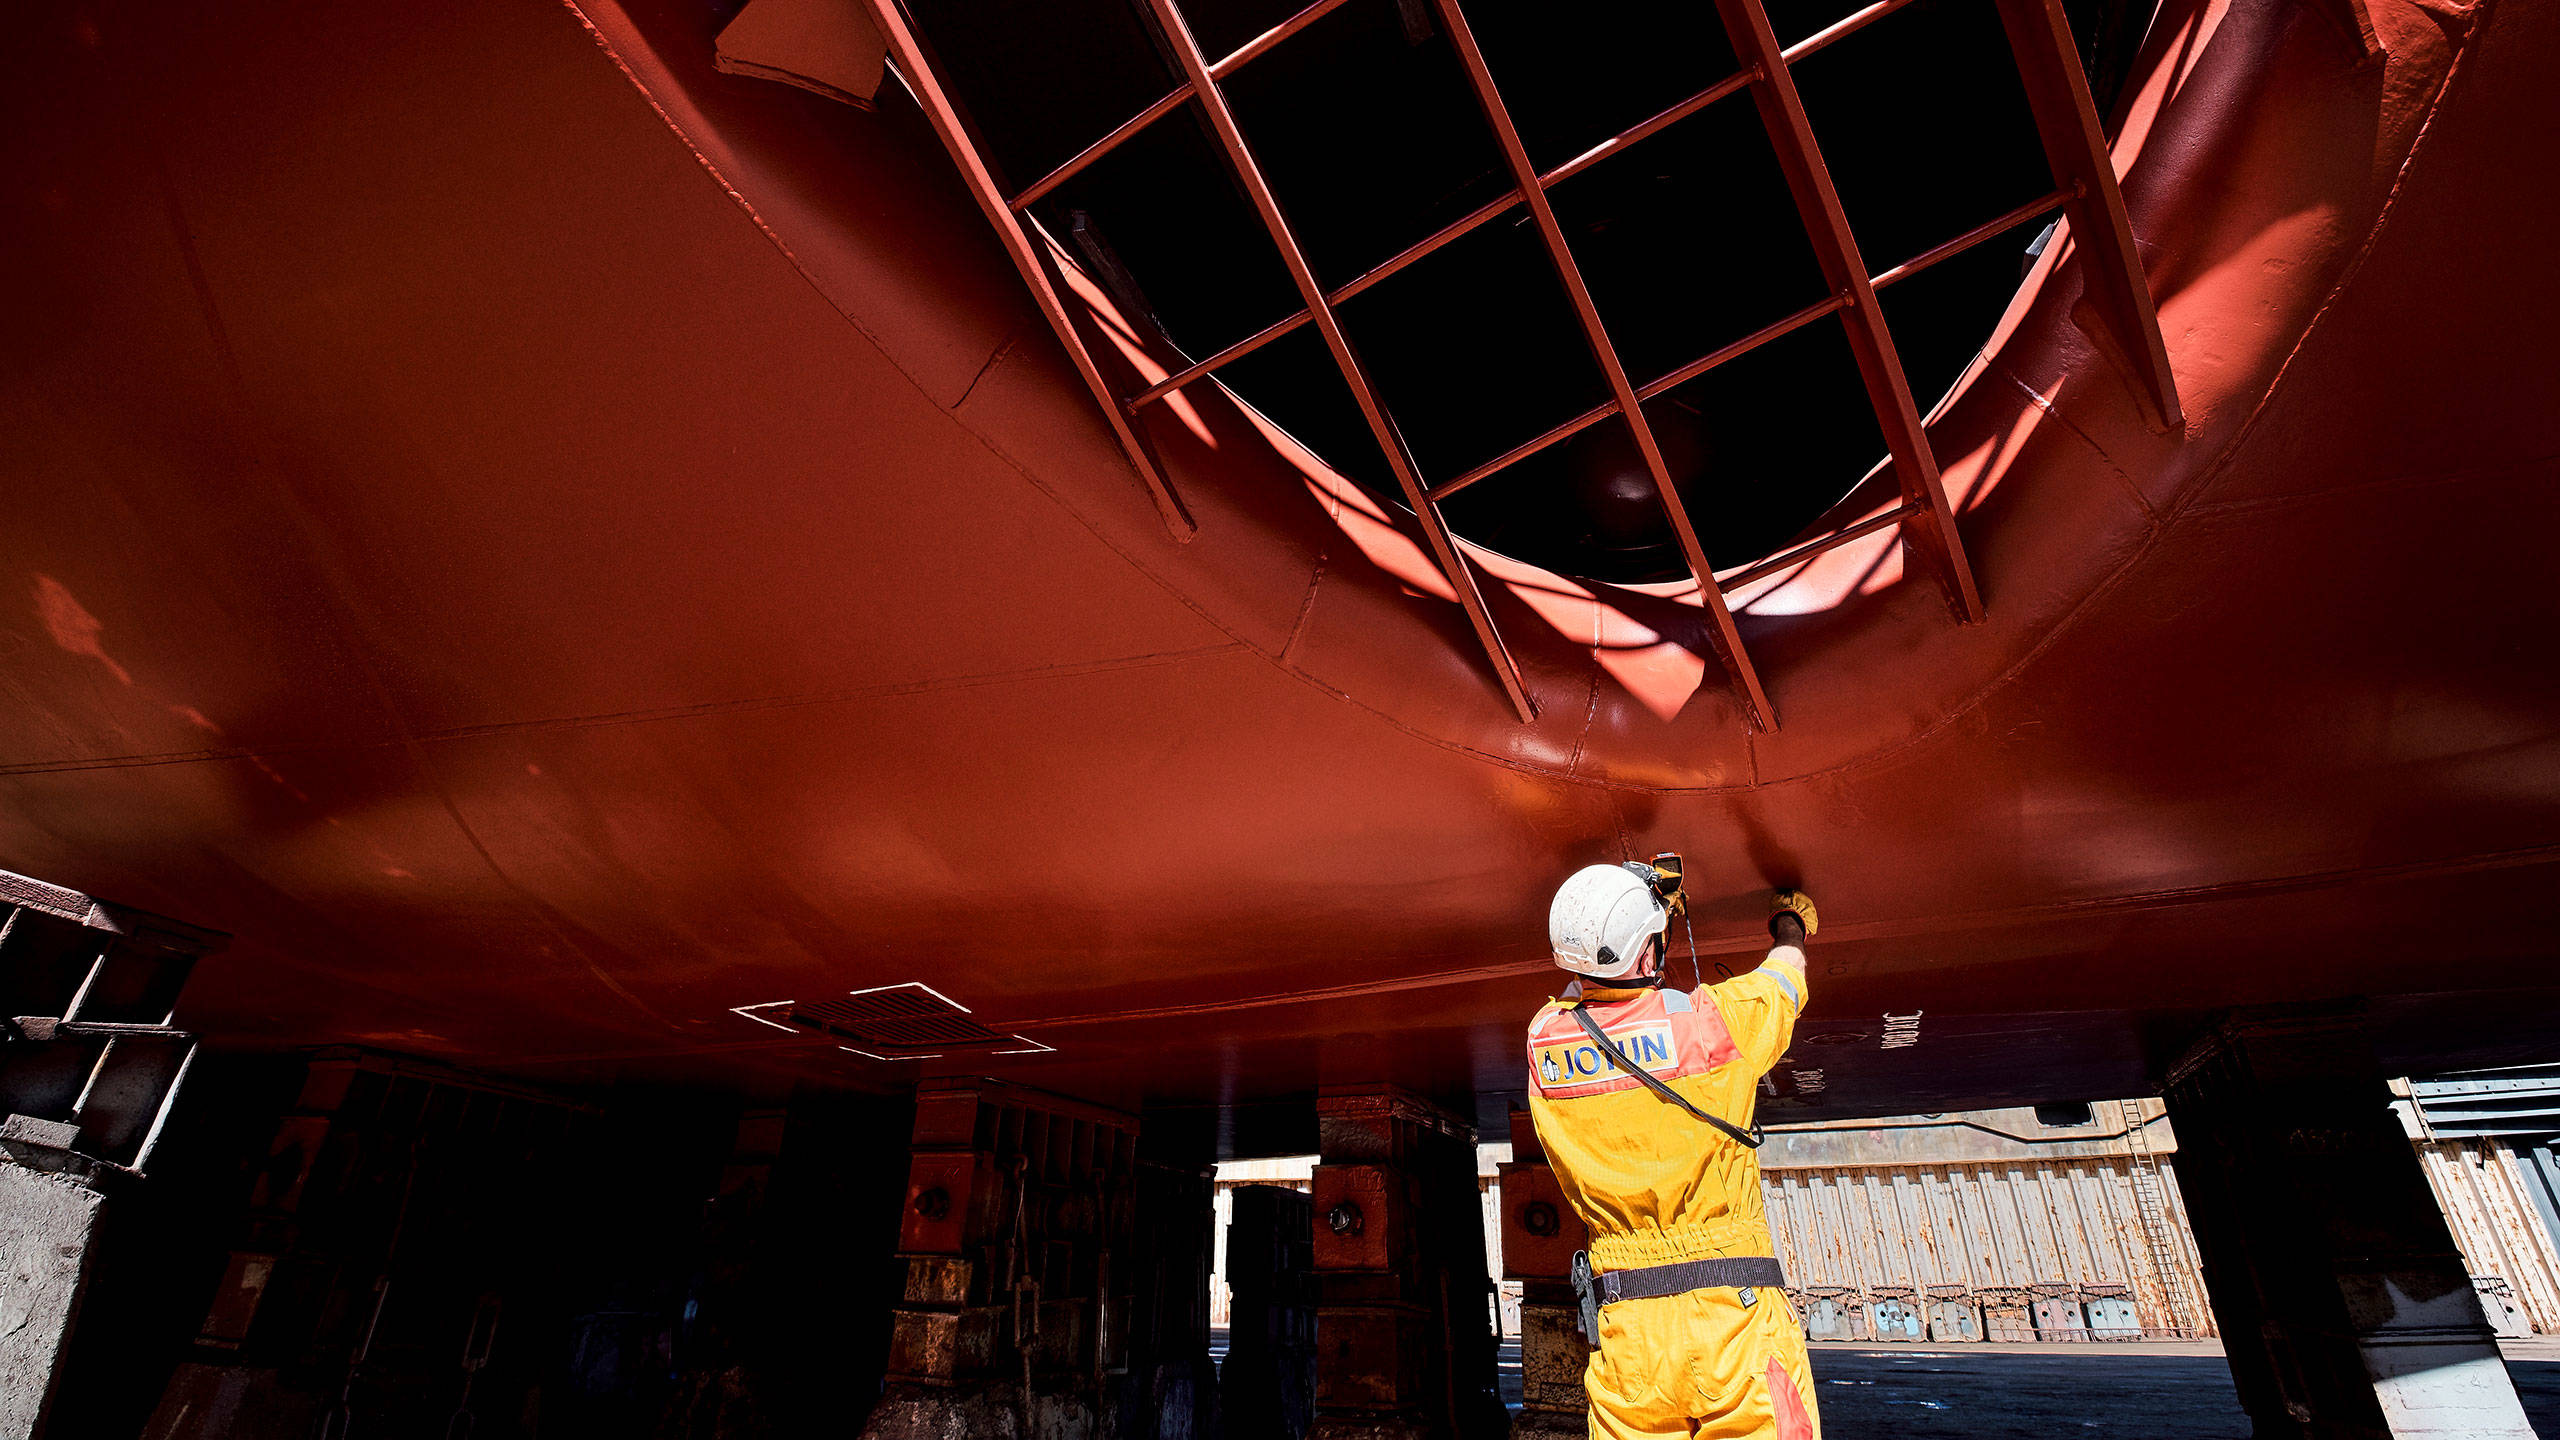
<point x="546" y="543"/>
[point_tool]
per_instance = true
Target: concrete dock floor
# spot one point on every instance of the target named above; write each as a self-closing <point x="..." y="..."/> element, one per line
<point x="2160" y="1391"/>
<point x="2155" y="1392"/>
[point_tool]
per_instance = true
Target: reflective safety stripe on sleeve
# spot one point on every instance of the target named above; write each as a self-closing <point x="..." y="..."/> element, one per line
<point x="1785" y="981"/>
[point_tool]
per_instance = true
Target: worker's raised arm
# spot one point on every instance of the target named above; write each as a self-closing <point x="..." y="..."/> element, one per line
<point x="1791" y="922"/>
<point x="1760" y="1008"/>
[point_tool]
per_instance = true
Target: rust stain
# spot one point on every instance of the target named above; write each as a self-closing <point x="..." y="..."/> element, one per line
<point x="73" y="627"/>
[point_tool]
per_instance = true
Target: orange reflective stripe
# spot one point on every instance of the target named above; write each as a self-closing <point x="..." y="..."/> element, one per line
<point x="1787" y="1405"/>
<point x="1564" y="1064"/>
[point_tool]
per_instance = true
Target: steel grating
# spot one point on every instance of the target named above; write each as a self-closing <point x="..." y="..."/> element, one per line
<point x="909" y="1021"/>
<point x="2085" y="192"/>
<point x="898" y="1020"/>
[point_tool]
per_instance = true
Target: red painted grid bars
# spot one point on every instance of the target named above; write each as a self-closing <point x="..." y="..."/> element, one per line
<point x="2067" y="126"/>
<point x="1382" y="426"/>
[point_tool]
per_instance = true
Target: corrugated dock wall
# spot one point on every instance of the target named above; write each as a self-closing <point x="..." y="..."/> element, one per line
<point x="1992" y="1211"/>
<point x="1988" y="1234"/>
<point x="2482" y="1187"/>
<point x="2487" y="1138"/>
<point x="1996" y="1210"/>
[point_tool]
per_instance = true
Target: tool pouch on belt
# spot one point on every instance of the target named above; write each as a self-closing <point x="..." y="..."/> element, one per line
<point x="1587" y="1295"/>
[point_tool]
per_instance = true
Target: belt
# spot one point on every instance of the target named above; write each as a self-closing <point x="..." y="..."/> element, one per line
<point x="1746" y="1273"/>
<point x="1731" y="1272"/>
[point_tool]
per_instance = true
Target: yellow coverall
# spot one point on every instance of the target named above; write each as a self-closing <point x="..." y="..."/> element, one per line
<point x="1657" y="1186"/>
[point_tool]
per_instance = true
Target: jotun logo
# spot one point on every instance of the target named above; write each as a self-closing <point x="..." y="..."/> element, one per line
<point x="1579" y="1062"/>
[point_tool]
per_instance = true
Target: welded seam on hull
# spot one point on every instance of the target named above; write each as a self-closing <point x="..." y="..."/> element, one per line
<point x="605" y="43"/>
<point x="1307" y="606"/>
<point x="1003" y="351"/>
<point x="1869" y="931"/>
<point x="644" y="717"/>
<point x="2355" y="264"/>
<point x="755" y="217"/>
<point x="1961" y="710"/>
<point x="548" y="915"/>
<point x="710" y="167"/>
<point x="2220" y="465"/>
<point x="2520" y="469"/>
<point x="1591" y="699"/>
<point x="2054" y="413"/>
<point x="1875" y="930"/>
<point x="256" y="444"/>
<point x="1003" y="348"/>
<point x="2163" y="524"/>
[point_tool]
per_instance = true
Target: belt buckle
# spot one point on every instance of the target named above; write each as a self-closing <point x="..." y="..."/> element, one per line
<point x="1748" y="1296"/>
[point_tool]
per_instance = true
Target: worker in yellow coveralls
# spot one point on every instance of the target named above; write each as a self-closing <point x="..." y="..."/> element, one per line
<point x="1643" y="1099"/>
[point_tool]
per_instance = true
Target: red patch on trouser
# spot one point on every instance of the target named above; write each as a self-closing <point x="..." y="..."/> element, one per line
<point x="1793" y="1423"/>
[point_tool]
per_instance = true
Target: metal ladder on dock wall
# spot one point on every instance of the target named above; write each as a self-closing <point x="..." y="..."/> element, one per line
<point x="2151" y="1203"/>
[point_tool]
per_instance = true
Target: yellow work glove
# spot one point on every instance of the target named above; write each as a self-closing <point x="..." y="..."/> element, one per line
<point x="1798" y="904"/>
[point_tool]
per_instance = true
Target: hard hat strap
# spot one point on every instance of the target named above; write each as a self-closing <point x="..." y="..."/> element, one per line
<point x="1609" y="957"/>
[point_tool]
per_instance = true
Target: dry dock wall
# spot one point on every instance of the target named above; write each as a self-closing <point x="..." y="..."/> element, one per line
<point x="2483" y="1188"/>
<point x="1999" y="1204"/>
<point x="1994" y="1209"/>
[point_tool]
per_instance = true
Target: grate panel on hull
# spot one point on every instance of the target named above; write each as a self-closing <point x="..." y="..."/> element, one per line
<point x="2044" y="64"/>
<point x="912" y="1021"/>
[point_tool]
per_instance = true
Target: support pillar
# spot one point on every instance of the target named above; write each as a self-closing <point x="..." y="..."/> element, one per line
<point x="2345" y="1308"/>
<point x="47" y="1220"/>
<point x="1015" y="1242"/>
<point x="716" y="1387"/>
<point x="399" y="1211"/>
<point x="1404" y="1332"/>
<point x="90" y="1068"/>
<point x="1268" y="1387"/>
<point x="1540" y="1234"/>
<point x="1171" y="1390"/>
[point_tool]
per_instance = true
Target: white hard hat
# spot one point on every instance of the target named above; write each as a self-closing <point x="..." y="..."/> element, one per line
<point x="1601" y="919"/>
